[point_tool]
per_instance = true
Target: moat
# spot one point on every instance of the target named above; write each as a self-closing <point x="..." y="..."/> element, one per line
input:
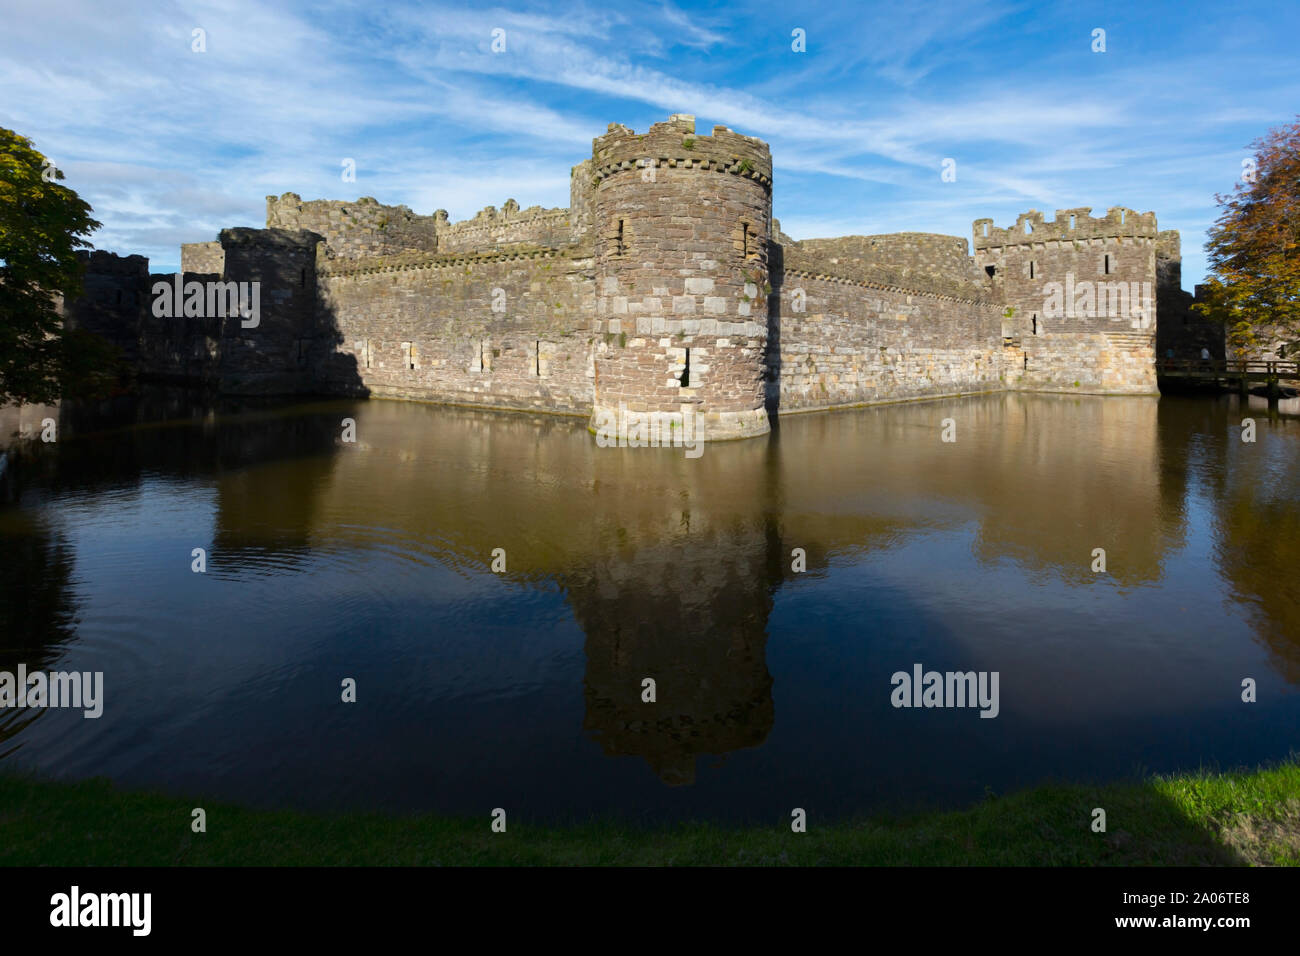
<point x="372" y="560"/>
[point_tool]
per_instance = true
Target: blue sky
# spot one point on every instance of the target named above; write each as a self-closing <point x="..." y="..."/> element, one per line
<point x="170" y="145"/>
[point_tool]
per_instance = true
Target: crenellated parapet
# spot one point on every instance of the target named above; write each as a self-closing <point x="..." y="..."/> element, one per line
<point x="1080" y="294"/>
<point x="913" y="261"/>
<point x="494" y="229"/>
<point x="102" y="262"/>
<point x="675" y="145"/>
<point x="354" y="230"/>
<point x="1069" y="225"/>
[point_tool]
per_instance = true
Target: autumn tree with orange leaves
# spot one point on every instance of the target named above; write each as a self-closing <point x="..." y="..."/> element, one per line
<point x="1254" y="251"/>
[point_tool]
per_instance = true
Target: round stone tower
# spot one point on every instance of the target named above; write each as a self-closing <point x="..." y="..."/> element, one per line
<point x="681" y="227"/>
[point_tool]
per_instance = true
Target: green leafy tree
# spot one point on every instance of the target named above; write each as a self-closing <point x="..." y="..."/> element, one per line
<point x="1254" y="250"/>
<point x="42" y="225"/>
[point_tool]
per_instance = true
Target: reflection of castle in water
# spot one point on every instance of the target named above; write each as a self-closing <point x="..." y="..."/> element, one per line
<point x="692" y="617"/>
<point x="671" y="565"/>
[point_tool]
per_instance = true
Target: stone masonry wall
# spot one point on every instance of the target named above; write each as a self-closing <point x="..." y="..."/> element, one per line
<point x="356" y="230"/>
<point x="277" y="353"/>
<point x="1181" y="333"/>
<point x="206" y="257"/>
<point x="113" y="300"/>
<point x="860" y="343"/>
<point x="366" y="229"/>
<point x="664" y="287"/>
<point x="497" y="230"/>
<point x="425" y="327"/>
<point x="681" y="228"/>
<point x="1083" y="291"/>
<point x="915" y="260"/>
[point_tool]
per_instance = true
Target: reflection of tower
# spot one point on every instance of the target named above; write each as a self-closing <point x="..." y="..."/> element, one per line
<point x="694" y="618"/>
<point x="681" y="227"/>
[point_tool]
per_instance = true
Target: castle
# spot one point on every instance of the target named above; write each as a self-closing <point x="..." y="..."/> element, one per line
<point x="665" y="287"/>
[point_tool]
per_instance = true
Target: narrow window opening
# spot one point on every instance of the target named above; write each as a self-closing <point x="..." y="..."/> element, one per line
<point x="1106" y="263"/>
<point x="1035" y="321"/>
<point x="1026" y="360"/>
<point x="1032" y="265"/>
<point x="1121" y="217"/>
<point x="1029" y="227"/>
<point x="1071" y="220"/>
<point x="686" y="371"/>
<point x="620" y="247"/>
<point x="986" y="230"/>
<point x="744" y="240"/>
<point x="537" y="358"/>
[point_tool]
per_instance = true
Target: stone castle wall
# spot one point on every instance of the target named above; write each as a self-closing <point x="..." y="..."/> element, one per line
<point x="203" y="257"/>
<point x="368" y="229"/>
<point x="1083" y="295"/>
<point x="666" y="287"/>
<point x="493" y="230"/>
<point x="915" y="260"/>
<point x="114" y="298"/>
<point x="1181" y="332"/>
<point x="279" y="355"/>
<point x="512" y="330"/>
<point x="355" y="230"/>
<point x="856" y="342"/>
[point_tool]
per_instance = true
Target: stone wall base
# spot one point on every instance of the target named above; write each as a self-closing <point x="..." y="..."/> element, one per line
<point x="631" y="428"/>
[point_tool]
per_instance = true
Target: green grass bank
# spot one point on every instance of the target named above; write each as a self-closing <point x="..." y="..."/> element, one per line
<point x="1237" y="818"/>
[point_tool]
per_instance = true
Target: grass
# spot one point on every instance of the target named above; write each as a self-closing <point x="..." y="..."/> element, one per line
<point x="1243" y="818"/>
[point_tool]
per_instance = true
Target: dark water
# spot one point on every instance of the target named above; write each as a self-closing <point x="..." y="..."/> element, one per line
<point x="522" y="690"/>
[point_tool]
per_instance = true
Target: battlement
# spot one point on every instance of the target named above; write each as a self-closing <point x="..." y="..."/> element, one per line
<point x="366" y="228"/>
<point x="509" y="226"/>
<point x="1169" y="245"/>
<point x="908" y="270"/>
<point x="300" y="240"/>
<point x="675" y="145"/>
<point x="355" y="230"/>
<point x="921" y="261"/>
<point x="1069" y="225"/>
<point x="102" y="262"/>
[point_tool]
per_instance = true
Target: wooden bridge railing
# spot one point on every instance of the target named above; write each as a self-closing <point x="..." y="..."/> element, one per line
<point x="1229" y="368"/>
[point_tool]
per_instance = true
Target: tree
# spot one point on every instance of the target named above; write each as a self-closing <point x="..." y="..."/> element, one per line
<point x="42" y="225"/>
<point x="1254" y="250"/>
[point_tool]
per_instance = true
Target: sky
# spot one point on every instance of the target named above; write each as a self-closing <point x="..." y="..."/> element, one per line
<point x="171" y="144"/>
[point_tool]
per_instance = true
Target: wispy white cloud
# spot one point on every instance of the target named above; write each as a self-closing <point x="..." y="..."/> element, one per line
<point x="169" y="144"/>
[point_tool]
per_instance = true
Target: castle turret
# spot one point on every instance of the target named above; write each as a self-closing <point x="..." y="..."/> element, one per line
<point x="1081" y="296"/>
<point x="681" y="227"/>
